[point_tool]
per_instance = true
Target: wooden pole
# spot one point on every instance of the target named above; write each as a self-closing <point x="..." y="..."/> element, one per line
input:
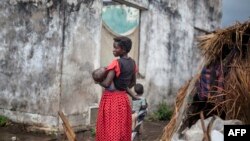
<point x="67" y="128"/>
<point x="203" y="127"/>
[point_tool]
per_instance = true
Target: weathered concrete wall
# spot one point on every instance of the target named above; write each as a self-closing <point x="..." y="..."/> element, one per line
<point x="211" y="14"/>
<point x="81" y="56"/>
<point x="140" y="4"/>
<point x="48" y="50"/>
<point x="30" y="45"/>
<point x="167" y="55"/>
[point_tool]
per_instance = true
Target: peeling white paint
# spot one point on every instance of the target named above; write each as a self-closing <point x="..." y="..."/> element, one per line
<point x="47" y="55"/>
<point x="168" y="57"/>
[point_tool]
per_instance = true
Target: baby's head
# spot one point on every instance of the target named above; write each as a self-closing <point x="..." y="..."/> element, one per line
<point x="138" y="89"/>
<point x="99" y="74"/>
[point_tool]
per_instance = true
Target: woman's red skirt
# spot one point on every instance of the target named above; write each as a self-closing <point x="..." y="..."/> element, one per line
<point x="114" y="117"/>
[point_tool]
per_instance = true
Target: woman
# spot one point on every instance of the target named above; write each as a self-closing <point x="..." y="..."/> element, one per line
<point x="114" y="113"/>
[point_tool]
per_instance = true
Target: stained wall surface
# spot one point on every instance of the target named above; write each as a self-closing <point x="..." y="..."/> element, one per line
<point x="168" y="53"/>
<point x="48" y="50"/>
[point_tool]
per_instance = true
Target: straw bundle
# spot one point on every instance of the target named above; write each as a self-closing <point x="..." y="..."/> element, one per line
<point x="211" y="45"/>
<point x="236" y="93"/>
<point x="169" y="129"/>
<point x="234" y="100"/>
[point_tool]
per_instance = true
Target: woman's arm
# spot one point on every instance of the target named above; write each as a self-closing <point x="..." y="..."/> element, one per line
<point x="108" y="80"/>
<point x="133" y="81"/>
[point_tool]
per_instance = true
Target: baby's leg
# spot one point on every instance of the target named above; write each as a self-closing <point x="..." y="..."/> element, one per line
<point x="134" y="120"/>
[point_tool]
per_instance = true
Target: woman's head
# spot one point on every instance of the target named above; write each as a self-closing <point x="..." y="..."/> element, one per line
<point x="122" y="45"/>
<point x="139" y="89"/>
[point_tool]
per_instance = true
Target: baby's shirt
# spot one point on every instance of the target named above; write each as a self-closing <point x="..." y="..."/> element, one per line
<point x="137" y="104"/>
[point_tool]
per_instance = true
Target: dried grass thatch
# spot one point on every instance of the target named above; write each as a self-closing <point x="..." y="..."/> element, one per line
<point x="169" y="129"/>
<point x="234" y="101"/>
<point x="211" y="45"/>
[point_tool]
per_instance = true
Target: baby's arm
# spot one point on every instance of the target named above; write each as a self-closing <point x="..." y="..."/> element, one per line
<point x="134" y="97"/>
<point x="144" y="104"/>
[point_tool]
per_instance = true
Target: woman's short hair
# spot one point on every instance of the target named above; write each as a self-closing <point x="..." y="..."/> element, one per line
<point x="124" y="42"/>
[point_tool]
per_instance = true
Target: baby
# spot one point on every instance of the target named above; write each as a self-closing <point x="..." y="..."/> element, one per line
<point x="99" y="75"/>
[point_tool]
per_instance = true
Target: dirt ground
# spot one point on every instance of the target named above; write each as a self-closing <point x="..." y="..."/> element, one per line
<point x="16" y="132"/>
